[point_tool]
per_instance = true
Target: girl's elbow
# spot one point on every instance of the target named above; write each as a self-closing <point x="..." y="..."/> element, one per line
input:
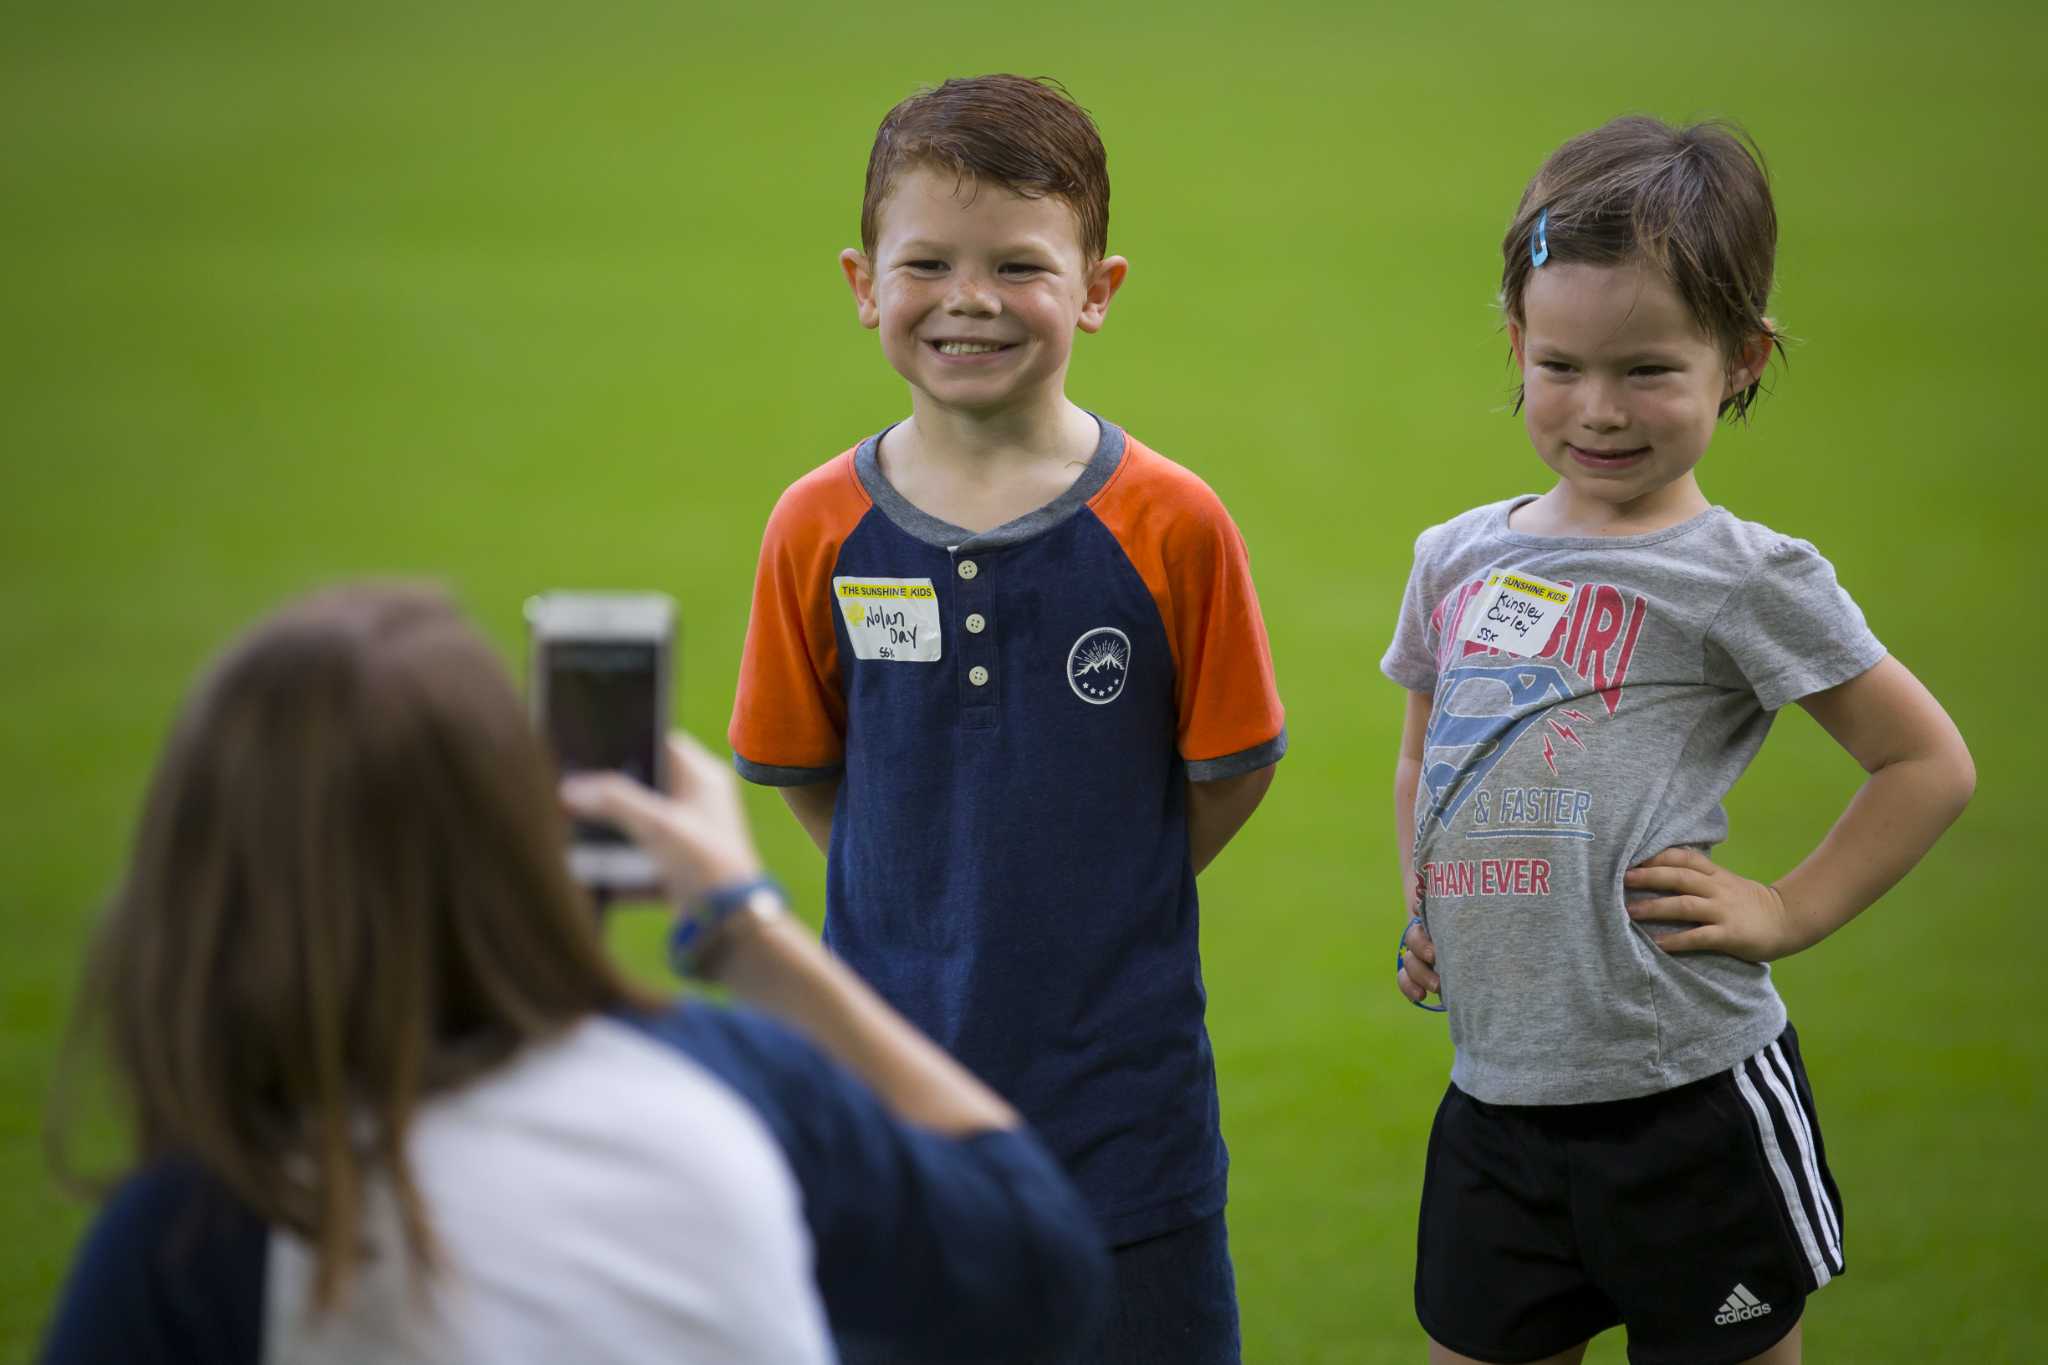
<point x="1965" y="775"/>
<point x="1957" y="782"/>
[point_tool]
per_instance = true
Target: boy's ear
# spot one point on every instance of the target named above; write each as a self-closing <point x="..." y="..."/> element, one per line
<point x="860" y="277"/>
<point x="1105" y="277"/>
<point x="1748" y="367"/>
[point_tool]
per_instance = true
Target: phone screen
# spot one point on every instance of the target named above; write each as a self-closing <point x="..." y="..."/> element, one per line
<point x="601" y="713"/>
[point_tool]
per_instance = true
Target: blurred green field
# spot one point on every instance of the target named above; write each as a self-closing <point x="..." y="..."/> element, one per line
<point x="522" y="296"/>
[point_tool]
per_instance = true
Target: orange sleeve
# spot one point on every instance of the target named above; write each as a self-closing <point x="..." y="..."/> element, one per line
<point x="789" y="716"/>
<point x="1185" y="546"/>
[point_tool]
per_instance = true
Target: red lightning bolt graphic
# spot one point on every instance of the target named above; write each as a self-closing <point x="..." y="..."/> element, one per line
<point x="1550" y="755"/>
<point x="1565" y="732"/>
<point x="1575" y="715"/>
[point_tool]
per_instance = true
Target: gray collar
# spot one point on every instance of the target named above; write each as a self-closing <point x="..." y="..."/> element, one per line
<point x="867" y="465"/>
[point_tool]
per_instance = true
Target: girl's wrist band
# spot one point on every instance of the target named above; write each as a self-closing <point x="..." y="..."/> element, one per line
<point x="697" y="930"/>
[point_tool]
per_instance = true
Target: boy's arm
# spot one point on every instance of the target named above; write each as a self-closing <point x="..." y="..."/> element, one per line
<point x="1921" y="777"/>
<point x="1217" y="811"/>
<point x="1229" y="725"/>
<point x="812" y="805"/>
<point x="1415" y="978"/>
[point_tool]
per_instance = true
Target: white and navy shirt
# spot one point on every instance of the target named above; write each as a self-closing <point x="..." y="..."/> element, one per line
<point x="1014" y="716"/>
<point x="702" y="1185"/>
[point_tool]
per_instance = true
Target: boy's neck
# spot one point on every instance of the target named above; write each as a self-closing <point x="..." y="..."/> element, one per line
<point x="979" y="472"/>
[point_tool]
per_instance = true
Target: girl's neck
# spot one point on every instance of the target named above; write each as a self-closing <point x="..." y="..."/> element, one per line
<point x="1564" y="511"/>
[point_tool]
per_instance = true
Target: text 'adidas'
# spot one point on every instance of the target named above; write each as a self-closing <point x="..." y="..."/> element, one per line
<point x="1740" y="1307"/>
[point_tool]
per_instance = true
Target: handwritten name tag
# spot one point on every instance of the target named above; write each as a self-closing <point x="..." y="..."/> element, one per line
<point x="1515" y="612"/>
<point x="890" y="618"/>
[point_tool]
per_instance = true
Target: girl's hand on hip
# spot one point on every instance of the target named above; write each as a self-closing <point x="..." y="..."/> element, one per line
<point x="1730" y="913"/>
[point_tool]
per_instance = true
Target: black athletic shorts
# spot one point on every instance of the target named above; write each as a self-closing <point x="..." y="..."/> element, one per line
<point x="1700" y="1217"/>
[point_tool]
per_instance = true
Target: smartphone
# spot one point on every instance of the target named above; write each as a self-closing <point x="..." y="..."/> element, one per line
<point x="600" y="674"/>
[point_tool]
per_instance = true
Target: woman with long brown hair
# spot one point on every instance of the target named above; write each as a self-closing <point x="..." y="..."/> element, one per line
<point x="392" y="1102"/>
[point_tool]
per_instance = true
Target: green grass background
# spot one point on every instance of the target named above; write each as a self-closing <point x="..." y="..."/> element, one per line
<point x="523" y="295"/>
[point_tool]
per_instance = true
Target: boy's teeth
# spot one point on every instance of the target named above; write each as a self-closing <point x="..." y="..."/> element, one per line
<point x="967" y="347"/>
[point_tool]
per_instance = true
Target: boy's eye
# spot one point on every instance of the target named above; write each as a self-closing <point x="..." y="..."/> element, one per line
<point x="924" y="265"/>
<point x="1022" y="268"/>
<point x="1650" y="371"/>
<point x="1554" y="366"/>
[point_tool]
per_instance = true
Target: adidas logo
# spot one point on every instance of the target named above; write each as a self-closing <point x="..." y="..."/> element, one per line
<point x="1741" y="1307"/>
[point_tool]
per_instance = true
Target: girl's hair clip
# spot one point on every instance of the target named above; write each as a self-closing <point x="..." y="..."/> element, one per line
<point x="1539" y="240"/>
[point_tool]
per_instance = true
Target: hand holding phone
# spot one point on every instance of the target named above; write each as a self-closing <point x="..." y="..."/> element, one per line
<point x="695" y="829"/>
<point x="601" y="673"/>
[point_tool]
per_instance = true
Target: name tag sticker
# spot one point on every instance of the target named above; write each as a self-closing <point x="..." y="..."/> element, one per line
<point x="1515" y="612"/>
<point x="890" y="618"/>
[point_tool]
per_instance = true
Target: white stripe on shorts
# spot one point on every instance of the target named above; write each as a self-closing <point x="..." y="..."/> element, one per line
<point x="1788" y="1184"/>
<point x="1780" y="1068"/>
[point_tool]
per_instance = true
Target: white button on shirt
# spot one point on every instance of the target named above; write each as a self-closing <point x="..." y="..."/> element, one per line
<point x="968" y="568"/>
<point x="976" y="623"/>
<point x="978" y="676"/>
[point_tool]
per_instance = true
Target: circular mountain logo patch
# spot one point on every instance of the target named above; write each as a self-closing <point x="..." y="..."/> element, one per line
<point x="1098" y="664"/>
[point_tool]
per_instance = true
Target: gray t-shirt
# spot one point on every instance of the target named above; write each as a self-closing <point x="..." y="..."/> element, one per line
<point x="1545" y="778"/>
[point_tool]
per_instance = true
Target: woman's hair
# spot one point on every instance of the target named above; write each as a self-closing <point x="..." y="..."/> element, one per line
<point x="1693" y="202"/>
<point x="348" y="892"/>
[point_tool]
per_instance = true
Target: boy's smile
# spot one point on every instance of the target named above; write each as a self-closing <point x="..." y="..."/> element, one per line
<point x="1622" y="391"/>
<point x="977" y="292"/>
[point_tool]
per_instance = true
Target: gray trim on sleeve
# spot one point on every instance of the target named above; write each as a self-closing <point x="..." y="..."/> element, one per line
<point x="1242" y="762"/>
<point x="768" y="775"/>
<point x="922" y="525"/>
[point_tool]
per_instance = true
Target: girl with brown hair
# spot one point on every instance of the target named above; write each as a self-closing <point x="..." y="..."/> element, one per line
<point x="1629" y="1137"/>
<point x="392" y="1102"/>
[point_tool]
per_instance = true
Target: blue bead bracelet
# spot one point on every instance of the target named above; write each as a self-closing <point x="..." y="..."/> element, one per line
<point x="1401" y="960"/>
<point x="700" y="924"/>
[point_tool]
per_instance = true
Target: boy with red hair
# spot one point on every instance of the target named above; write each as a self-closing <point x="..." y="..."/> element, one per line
<point x="1007" y="666"/>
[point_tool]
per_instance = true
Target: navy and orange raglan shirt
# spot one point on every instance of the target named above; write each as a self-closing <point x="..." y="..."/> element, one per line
<point x="1014" y="716"/>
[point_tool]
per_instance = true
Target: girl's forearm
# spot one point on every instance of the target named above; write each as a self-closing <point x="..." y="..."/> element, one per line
<point x="1888" y="827"/>
<point x="1407" y="773"/>
<point x="1407" y="776"/>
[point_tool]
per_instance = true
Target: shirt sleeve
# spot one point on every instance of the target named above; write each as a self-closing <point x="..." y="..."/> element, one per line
<point x="958" y="1248"/>
<point x="170" y="1271"/>
<point x="1231" y="720"/>
<point x="1411" y="660"/>
<point x="789" y="715"/>
<point x="1790" y="630"/>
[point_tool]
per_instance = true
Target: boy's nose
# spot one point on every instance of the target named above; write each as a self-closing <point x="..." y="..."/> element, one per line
<point x="971" y="296"/>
